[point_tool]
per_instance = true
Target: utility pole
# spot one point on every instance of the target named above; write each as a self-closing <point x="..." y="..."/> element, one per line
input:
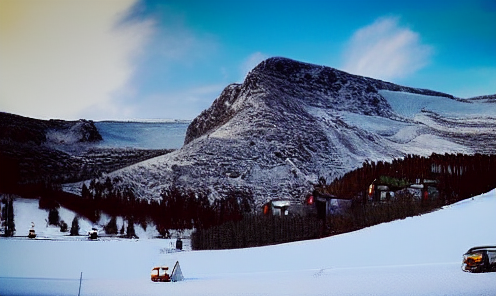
<point x="80" y="279"/>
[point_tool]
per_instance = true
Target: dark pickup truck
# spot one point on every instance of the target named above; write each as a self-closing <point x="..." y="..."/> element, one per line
<point x="480" y="259"/>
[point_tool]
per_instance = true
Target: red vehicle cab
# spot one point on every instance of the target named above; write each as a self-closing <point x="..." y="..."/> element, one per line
<point x="159" y="274"/>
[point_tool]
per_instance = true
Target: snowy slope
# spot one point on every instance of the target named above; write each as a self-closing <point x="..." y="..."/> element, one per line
<point x="27" y="213"/>
<point x="290" y="123"/>
<point x="142" y="134"/>
<point x="415" y="256"/>
<point x="409" y="104"/>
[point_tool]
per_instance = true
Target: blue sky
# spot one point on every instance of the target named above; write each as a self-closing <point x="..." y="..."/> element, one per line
<point x="170" y="59"/>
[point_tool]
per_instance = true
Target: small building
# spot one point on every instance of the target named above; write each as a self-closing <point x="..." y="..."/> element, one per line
<point x="381" y="191"/>
<point x="277" y="207"/>
<point x="286" y="207"/>
<point x="328" y="204"/>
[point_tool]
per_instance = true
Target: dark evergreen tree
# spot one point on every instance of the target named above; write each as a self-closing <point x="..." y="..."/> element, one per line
<point x="111" y="227"/>
<point x="130" y="228"/>
<point x="75" y="226"/>
<point x="53" y="217"/>
<point x="9" y="224"/>
<point x="85" y="192"/>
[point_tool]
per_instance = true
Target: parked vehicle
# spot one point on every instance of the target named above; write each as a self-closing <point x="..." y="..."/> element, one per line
<point x="93" y="234"/>
<point x="32" y="233"/>
<point x="480" y="259"/>
<point x="159" y="274"/>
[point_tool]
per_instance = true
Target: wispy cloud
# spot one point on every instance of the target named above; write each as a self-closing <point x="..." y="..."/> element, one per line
<point x="385" y="50"/>
<point x="251" y="62"/>
<point x="178" y="43"/>
<point x="181" y="104"/>
<point x="61" y="57"/>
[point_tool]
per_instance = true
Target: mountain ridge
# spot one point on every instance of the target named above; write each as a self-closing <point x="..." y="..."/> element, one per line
<point x="290" y="71"/>
<point x="291" y="123"/>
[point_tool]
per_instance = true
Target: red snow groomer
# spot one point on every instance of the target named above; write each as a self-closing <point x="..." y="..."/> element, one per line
<point x="159" y="274"/>
<point x="480" y="259"/>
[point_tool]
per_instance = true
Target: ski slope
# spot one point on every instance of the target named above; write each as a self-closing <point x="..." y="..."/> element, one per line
<point x="415" y="256"/>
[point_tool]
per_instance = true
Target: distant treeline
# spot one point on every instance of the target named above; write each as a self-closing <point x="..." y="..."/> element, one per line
<point x="256" y="230"/>
<point x="174" y="209"/>
<point x="458" y="176"/>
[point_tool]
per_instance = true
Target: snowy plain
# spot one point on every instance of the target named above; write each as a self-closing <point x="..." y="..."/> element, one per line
<point x="414" y="256"/>
<point x="143" y="134"/>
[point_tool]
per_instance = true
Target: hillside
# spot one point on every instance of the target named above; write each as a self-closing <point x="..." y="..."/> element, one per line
<point x="290" y="123"/>
<point x="35" y="152"/>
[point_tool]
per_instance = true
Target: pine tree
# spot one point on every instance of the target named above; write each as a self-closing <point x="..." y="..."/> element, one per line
<point x="53" y="217"/>
<point x="10" y="226"/>
<point x="111" y="227"/>
<point x="130" y="228"/>
<point x="85" y="192"/>
<point x="75" y="226"/>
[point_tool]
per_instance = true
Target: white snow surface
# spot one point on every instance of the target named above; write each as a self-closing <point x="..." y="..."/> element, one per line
<point x="414" y="256"/>
<point x="408" y="105"/>
<point x="27" y="213"/>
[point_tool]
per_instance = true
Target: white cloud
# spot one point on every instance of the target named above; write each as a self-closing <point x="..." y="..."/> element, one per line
<point x="251" y="62"/>
<point x="178" y="43"/>
<point x="384" y="50"/>
<point x="186" y="103"/>
<point x="58" y="58"/>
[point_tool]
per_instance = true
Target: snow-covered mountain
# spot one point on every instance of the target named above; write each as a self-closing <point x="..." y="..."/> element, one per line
<point x="290" y="123"/>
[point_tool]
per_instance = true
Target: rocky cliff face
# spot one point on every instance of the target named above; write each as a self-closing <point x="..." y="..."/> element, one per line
<point x="290" y="123"/>
<point x="28" y="130"/>
<point x="30" y="149"/>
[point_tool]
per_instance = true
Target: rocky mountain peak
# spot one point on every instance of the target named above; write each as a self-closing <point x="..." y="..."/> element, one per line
<point x="284" y="85"/>
<point x="290" y="123"/>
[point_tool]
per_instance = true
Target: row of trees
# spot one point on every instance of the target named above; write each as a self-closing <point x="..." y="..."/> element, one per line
<point x="256" y="230"/>
<point x="174" y="209"/>
<point x="7" y="216"/>
<point x="458" y="176"/>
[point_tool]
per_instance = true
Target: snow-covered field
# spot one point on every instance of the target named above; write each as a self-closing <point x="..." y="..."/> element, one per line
<point x="408" y="105"/>
<point x="415" y="256"/>
<point x="142" y="134"/>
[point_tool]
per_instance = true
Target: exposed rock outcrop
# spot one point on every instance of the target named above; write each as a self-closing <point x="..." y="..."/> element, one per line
<point x="28" y="130"/>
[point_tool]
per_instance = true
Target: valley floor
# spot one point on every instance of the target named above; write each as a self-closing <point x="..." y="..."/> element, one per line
<point x="415" y="256"/>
